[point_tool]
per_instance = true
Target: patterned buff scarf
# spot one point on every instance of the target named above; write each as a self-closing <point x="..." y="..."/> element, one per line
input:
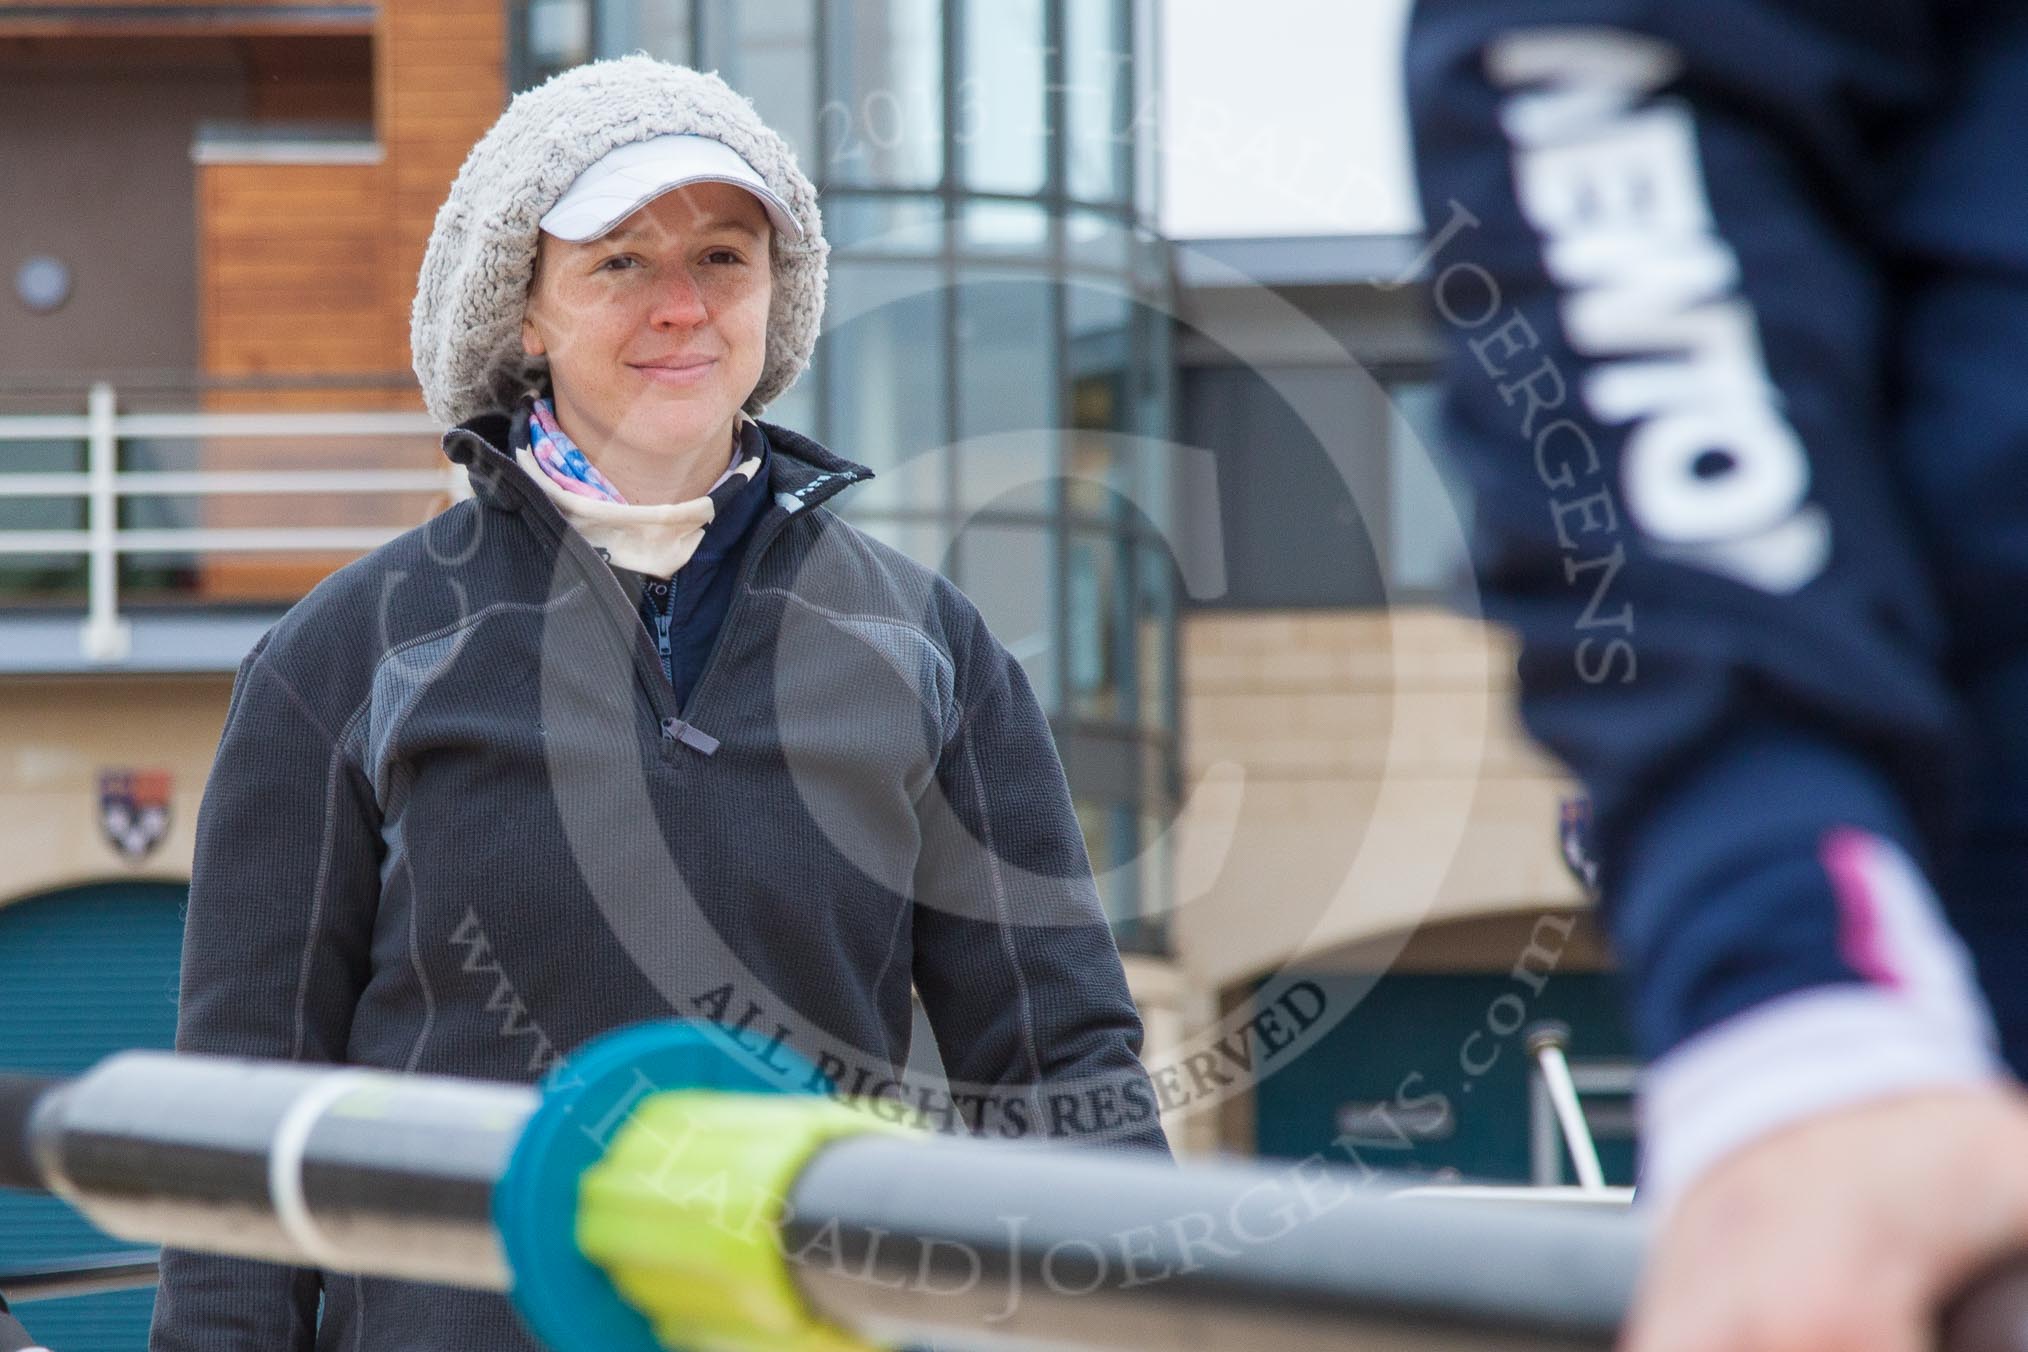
<point x="653" y="539"/>
<point x="560" y="458"/>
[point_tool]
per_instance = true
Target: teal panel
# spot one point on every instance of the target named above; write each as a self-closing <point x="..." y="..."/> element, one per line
<point x="83" y="973"/>
<point x="1414" y="1036"/>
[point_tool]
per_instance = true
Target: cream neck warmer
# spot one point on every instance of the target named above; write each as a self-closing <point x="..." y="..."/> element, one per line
<point x="656" y="540"/>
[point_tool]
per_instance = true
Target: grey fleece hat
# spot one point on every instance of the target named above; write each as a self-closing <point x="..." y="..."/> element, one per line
<point x="465" y="329"/>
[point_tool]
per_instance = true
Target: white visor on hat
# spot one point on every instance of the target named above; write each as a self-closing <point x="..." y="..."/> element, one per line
<point x="629" y="177"/>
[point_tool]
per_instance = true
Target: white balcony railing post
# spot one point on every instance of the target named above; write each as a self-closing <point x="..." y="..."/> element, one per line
<point x="106" y="637"/>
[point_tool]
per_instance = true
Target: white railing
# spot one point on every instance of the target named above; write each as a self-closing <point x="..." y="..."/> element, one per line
<point x="106" y="636"/>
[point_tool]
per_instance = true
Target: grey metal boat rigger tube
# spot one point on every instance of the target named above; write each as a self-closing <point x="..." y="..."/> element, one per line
<point x="978" y="1243"/>
<point x="639" y="1205"/>
<point x="346" y="1169"/>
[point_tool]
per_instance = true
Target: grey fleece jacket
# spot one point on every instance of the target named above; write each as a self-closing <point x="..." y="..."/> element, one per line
<point x="458" y="824"/>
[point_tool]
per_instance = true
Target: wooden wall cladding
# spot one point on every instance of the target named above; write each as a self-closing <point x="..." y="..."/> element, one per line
<point x="290" y="273"/>
<point x="308" y="270"/>
<point x="291" y="286"/>
<point x="440" y="81"/>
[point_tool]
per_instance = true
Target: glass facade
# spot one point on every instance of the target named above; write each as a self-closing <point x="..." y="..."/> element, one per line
<point x="996" y="333"/>
<point x="1424" y="487"/>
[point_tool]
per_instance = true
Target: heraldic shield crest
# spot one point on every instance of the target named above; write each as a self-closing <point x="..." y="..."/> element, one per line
<point x="134" y="810"/>
<point x="1574" y="834"/>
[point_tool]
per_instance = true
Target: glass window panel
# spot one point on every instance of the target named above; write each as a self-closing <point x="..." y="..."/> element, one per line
<point x="1094" y="822"/>
<point x="1098" y="627"/>
<point x="1152" y="261"/>
<point x="924" y="541"/>
<point x="884" y="225"/>
<point x="557" y="34"/>
<point x="1145" y="133"/>
<point x="882" y="358"/>
<point x="796" y="407"/>
<point x="1110" y="830"/>
<point x="1101" y="466"/>
<point x="1007" y="392"/>
<point x="1156" y="872"/>
<point x="1155" y="629"/>
<point x="1098" y="74"/>
<point x="144" y="574"/>
<point x="1002" y="130"/>
<point x="883" y="121"/>
<point x="1095" y="240"/>
<point x="1128" y="900"/>
<point x="661" y="28"/>
<point x="1116" y="475"/>
<point x="1101" y="314"/>
<point x="42" y="576"/>
<point x="1150" y="418"/>
<point x="718" y="37"/>
<point x="1098" y="310"/>
<point x="1096" y="468"/>
<point x="1424" y="492"/>
<point x="768" y="53"/>
<point x="1158" y="771"/>
<point x="1010" y="574"/>
<point x="1005" y="228"/>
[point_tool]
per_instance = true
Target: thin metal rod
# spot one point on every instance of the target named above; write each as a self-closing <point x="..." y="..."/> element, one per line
<point x="44" y="427"/>
<point x="87" y="1275"/>
<point x="279" y="425"/>
<point x="1546" y="1042"/>
<point x="256" y="539"/>
<point x="45" y="485"/>
<point x="1545" y="1141"/>
<point x="71" y="427"/>
<point x="45" y="542"/>
<point x="223" y="540"/>
<point x="186" y="483"/>
<point x="105" y="638"/>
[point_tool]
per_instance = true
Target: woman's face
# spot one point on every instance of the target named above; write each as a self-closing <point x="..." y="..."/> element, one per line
<point x="656" y="331"/>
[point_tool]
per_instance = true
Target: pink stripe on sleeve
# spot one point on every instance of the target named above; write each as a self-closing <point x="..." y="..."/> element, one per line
<point x="1862" y="941"/>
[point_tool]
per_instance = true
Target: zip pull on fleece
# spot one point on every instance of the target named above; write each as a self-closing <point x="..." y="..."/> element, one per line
<point x="696" y="738"/>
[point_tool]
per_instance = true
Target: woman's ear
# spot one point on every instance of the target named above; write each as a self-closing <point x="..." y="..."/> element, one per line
<point x="531" y="340"/>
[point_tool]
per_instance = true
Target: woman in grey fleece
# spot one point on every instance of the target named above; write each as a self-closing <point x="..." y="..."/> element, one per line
<point x="642" y="729"/>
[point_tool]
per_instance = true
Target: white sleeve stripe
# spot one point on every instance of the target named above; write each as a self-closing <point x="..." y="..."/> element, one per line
<point x="1789" y="1059"/>
<point x="1923" y="1025"/>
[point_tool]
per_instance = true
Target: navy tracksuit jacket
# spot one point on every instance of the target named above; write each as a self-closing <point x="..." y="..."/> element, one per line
<point x="1735" y="295"/>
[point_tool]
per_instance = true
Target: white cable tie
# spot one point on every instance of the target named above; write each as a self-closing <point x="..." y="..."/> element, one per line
<point x="285" y="1165"/>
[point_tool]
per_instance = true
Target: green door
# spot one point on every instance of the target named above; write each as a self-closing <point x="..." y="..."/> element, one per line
<point x="1444" y="1050"/>
<point x="83" y="973"/>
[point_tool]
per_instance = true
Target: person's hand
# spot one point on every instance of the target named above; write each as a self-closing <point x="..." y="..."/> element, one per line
<point x="1843" y="1233"/>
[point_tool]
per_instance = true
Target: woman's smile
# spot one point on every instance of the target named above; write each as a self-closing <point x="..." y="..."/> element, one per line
<point x="681" y="372"/>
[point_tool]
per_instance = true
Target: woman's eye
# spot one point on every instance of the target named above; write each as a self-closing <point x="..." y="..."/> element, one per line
<point x="618" y="262"/>
<point x="723" y="256"/>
